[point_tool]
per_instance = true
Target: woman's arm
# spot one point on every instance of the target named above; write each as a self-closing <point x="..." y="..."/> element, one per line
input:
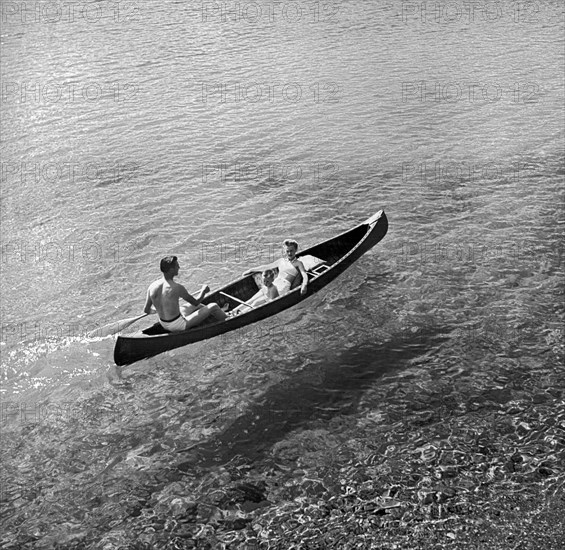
<point x="261" y="268"/>
<point x="304" y="285"/>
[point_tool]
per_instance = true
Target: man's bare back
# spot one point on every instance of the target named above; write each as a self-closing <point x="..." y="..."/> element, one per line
<point x="165" y="297"/>
<point x="164" y="294"/>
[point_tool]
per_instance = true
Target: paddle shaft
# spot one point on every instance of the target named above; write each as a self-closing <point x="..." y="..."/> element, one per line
<point x="115" y="326"/>
<point x="128" y="322"/>
<point x="118" y="326"/>
<point x="237" y="300"/>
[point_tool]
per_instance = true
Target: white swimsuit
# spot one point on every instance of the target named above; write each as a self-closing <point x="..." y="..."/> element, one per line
<point x="282" y="284"/>
<point x="178" y="324"/>
<point x="286" y="267"/>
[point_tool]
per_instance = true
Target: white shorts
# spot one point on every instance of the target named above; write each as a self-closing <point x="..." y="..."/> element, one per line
<point x="282" y="284"/>
<point x="176" y="325"/>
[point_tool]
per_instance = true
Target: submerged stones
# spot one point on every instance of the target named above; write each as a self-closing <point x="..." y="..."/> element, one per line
<point x="464" y="477"/>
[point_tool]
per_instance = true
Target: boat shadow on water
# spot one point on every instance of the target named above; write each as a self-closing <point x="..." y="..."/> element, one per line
<point x="324" y="388"/>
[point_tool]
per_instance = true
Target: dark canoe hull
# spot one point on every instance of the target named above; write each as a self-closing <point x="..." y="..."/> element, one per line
<point x="338" y="253"/>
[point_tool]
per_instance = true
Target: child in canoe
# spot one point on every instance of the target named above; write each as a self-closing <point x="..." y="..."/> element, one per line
<point x="267" y="293"/>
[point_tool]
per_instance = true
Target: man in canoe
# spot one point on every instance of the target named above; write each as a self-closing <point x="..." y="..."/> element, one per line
<point x="164" y="295"/>
<point x="289" y="267"/>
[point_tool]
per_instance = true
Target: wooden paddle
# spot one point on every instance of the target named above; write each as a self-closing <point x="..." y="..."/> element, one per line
<point x="116" y="326"/>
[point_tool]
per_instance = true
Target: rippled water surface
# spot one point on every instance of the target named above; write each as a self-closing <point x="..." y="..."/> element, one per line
<point x="173" y="128"/>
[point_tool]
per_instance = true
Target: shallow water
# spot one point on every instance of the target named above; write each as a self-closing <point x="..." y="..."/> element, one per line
<point x="454" y="127"/>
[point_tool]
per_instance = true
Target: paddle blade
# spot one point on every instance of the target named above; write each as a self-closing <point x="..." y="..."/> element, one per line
<point x="113" y="328"/>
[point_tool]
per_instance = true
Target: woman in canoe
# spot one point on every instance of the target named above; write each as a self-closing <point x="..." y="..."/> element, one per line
<point x="289" y="267"/>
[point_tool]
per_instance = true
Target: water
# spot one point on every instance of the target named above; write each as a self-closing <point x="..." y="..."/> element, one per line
<point x="163" y="128"/>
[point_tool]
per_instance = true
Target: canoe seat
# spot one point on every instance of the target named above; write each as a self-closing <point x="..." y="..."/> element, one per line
<point x="314" y="266"/>
<point x="320" y="269"/>
<point x="157" y="328"/>
<point x="311" y="262"/>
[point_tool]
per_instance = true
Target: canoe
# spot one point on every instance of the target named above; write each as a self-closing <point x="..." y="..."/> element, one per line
<point x="323" y="262"/>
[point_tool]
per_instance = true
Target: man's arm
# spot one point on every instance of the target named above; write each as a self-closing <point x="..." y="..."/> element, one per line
<point x="304" y="285"/>
<point x="202" y="292"/>
<point x="193" y="301"/>
<point x="148" y="304"/>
